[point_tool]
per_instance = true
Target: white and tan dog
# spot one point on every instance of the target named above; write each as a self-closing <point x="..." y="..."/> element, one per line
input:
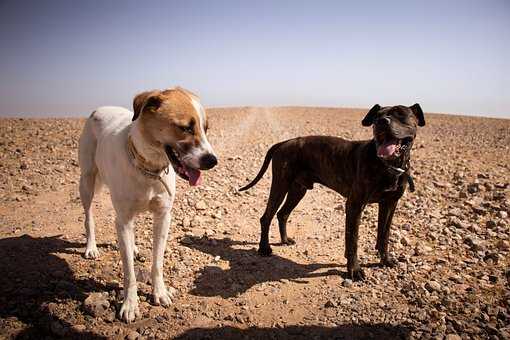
<point x="131" y="153"/>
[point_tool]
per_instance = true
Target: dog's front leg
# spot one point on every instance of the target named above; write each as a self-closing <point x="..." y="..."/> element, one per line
<point x="125" y="233"/>
<point x="386" y="211"/>
<point x="160" y="235"/>
<point x="352" y="219"/>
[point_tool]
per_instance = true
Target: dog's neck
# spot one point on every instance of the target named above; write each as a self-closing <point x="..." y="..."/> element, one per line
<point x="146" y="155"/>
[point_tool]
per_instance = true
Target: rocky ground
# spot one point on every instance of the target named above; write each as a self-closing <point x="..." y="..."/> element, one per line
<point x="451" y="238"/>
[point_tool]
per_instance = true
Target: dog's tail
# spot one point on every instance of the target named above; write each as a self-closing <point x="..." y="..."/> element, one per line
<point x="262" y="171"/>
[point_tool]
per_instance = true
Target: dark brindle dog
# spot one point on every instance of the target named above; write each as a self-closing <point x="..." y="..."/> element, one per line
<point x="373" y="171"/>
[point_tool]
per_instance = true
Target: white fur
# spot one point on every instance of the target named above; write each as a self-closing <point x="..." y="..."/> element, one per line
<point x="104" y="159"/>
<point x="193" y="158"/>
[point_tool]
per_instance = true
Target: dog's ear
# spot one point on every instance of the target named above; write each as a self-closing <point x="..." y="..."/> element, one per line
<point x="369" y="118"/>
<point x="418" y="113"/>
<point x="144" y="100"/>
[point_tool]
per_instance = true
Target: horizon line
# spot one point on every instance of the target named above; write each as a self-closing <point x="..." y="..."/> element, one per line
<point x="77" y="116"/>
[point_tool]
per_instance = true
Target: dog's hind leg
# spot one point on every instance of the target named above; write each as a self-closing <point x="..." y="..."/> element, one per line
<point x="279" y="187"/>
<point x="90" y="183"/>
<point x="294" y="196"/>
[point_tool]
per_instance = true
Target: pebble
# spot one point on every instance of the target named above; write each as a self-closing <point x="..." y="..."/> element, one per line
<point x="502" y="214"/>
<point x="96" y="304"/>
<point x="330" y="304"/>
<point x="433" y="286"/>
<point x="347" y="283"/>
<point x="201" y="205"/>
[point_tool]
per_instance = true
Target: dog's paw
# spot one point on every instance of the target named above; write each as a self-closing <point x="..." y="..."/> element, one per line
<point x="288" y="242"/>
<point x="91" y="252"/>
<point x="164" y="296"/>
<point x="356" y="274"/>
<point x="129" y="310"/>
<point x="388" y="261"/>
<point x="265" y="251"/>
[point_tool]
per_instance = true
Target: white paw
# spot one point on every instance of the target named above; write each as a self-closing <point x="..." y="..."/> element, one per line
<point x="163" y="296"/>
<point x="91" y="252"/>
<point x="129" y="310"/>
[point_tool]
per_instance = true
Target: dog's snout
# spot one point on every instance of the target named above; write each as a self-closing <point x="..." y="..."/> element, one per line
<point x="208" y="161"/>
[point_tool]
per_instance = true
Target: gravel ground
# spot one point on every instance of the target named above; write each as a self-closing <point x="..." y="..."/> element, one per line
<point x="451" y="237"/>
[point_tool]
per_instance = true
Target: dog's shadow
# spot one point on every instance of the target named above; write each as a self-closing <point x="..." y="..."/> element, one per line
<point x="32" y="278"/>
<point x="247" y="268"/>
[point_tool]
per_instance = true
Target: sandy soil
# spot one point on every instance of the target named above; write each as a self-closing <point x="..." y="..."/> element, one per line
<point x="451" y="237"/>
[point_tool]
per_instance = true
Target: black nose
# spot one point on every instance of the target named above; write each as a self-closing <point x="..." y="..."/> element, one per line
<point x="208" y="161"/>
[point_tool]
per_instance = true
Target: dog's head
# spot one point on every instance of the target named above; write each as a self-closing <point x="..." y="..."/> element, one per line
<point x="175" y="120"/>
<point x="394" y="130"/>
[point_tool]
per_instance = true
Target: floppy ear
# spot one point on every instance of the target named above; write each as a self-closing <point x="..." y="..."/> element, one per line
<point x="148" y="99"/>
<point x="369" y="118"/>
<point x="419" y="114"/>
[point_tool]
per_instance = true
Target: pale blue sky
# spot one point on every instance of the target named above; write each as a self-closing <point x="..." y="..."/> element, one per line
<point x="65" y="57"/>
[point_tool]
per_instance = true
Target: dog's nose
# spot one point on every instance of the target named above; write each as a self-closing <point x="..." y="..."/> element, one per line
<point x="208" y="161"/>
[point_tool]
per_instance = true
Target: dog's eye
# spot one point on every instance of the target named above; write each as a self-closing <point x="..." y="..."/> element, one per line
<point x="188" y="129"/>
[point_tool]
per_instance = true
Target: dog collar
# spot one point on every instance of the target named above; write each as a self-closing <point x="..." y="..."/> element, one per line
<point x="395" y="171"/>
<point x="141" y="163"/>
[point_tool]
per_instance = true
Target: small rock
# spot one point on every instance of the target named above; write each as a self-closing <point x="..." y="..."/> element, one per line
<point x="186" y="222"/>
<point x="433" y="286"/>
<point x="330" y="304"/>
<point x="491" y="224"/>
<point x="96" y="304"/>
<point x="473" y="188"/>
<point x="452" y="337"/>
<point x="142" y="275"/>
<point x="347" y="283"/>
<point x="502" y="214"/>
<point x="79" y="328"/>
<point x="201" y="205"/>
<point x="404" y="241"/>
<point x="474" y="243"/>
<point x="421" y="249"/>
<point x="503" y="245"/>
<point x="133" y="335"/>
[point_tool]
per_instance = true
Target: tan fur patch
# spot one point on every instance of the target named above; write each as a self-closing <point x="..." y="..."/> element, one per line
<point x="168" y="123"/>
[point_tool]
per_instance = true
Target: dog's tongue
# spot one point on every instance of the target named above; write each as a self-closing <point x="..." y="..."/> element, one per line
<point x="194" y="176"/>
<point x="387" y="149"/>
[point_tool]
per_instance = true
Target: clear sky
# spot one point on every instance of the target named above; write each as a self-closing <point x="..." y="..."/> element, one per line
<point x="68" y="57"/>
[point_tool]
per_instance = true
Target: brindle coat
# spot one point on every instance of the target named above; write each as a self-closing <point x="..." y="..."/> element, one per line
<point x="351" y="168"/>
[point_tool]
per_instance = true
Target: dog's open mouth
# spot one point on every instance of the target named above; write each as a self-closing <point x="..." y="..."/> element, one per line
<point x="390" y="147"/>
<point x="193" y="176"/>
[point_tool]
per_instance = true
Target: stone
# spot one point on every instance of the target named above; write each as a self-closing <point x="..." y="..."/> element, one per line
<point x="503" y="245"/>
<point x="502" y="214"/>
<point x="330" y="304"/>
<point x="452" y="337"/>
<point x="133" y="335"/>
<point x="201" y="205"/>
<point x="433" y="286"/>
<point x="473" y="188"/>
<point x="347" y="283"/>
<point x="96" y="304"/>
<point x="474" y="243"/>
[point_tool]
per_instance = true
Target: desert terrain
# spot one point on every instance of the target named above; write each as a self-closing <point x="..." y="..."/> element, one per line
<point x="451" y="238"/>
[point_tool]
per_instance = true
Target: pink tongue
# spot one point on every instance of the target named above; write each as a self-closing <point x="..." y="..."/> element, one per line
<point x="386" y="149"/>
<point x="194" y="176"/>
